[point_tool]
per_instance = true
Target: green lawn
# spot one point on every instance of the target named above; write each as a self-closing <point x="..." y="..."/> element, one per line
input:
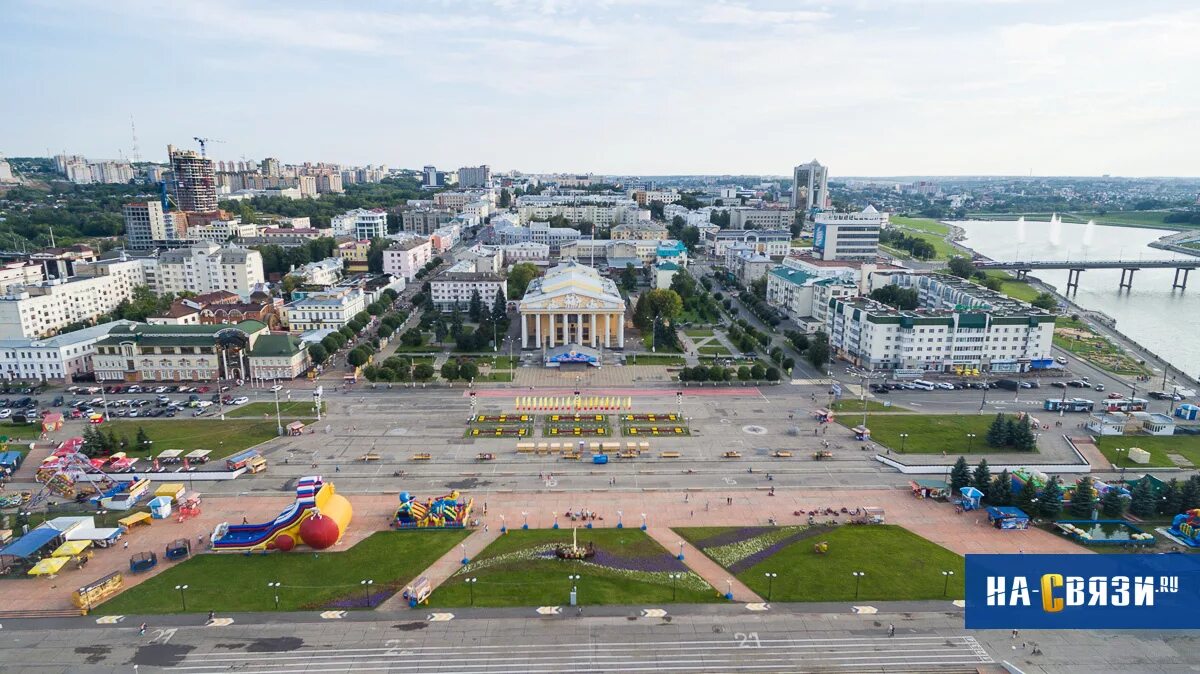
<point x="654" y="359"/>
<point x="235" y="582"/>
<point x="1018" y="290"/>
<point x="1095" y="348"/>
<point x="930" y="230"/>
<point x="899" y="565"/>
<point x="629" y="568"/>
<point x="296" y="408"/>
<point x="495" y="376"/>
<point x="850" y="406"/>
<point x="649" y="337"/>
<point x="1187" y="446"/>
<point x="698" y="333"/>
<point x="222" y="437"/>
<point x="929" y="433"/>
<point x="713" y="350"/>
<point x="921" y="224"/>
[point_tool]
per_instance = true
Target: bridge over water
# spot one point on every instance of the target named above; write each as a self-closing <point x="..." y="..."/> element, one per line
<point x="1075" y="268"/>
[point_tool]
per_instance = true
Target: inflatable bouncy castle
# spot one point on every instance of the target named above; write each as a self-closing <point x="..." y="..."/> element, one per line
<point x="444" y="512"/>
<point x="1186" y="528"/>
<point x="318" y="518"/>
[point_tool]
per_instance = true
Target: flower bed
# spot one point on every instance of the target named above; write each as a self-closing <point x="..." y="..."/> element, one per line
<point x="502" y="419"/>
<point x="576" y="430"/>
<point x="576" y="418"/>
<point x="658" y="417"/>
<point x="655" y="430"/>
<point x="499" y="431"/>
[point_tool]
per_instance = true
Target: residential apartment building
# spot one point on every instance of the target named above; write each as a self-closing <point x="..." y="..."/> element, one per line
<point x="146" y="226"/>
<point x="805" y="297"/>
<point x="361" y="223"/>
<point x="457" y="200"/>
<point x="355" y="254"/>
<point x="42" y="309"/>
<point x="20" y="274"/>
<point x="645" y="197"/>
<point x="424" y="221"/>
<point x="456" y="287"/>
<point x="193" y="179"/>
<point x="643" y="229"/>
<point x="325" y="272"/>
<point x="60" y="358"/>
<point x="328" y="309"/>
<point x="810" y="187"/>
<point x="747" y="264"/>
<point x="405" y="258"/>
<point x="207" y="267"/>
<point x="474" y="176"/>
<point x="761" y="218"/>
<point x="601" y="210"/>
<point x="848" y="236"/>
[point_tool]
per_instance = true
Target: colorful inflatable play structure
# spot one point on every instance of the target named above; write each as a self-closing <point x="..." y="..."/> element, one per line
<point x="444" y="512"/>
<point x="318" y="518"/>
<point x="1186" y="528"/>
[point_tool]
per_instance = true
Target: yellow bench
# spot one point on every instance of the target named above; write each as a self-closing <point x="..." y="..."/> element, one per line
<point x="669" y="455"/>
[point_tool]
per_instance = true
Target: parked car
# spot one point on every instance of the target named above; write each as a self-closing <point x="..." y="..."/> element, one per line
<point x="1060" y="360"/>
<point x="241" y="400"/>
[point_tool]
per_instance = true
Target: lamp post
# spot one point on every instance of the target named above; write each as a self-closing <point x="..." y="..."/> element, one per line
<point x="674" y="581"/>
<point x="770" y="583"/>
<point x="643" y="521"/>
<point x="970" y="442"/>
<point x="946" y="585"/>
<point x="465" y="559"/>
<point x="903" y="440"/>
<point x="574" y="578"/>
<point x="555" y="520"/>
<point x="1121" y="451"/>
<point x="680" y="557"/>
<point x="471" y="586"/>
<point x="525" y="516"/>
<point x="729" y="589"/>
<point x="503" y="528"/>
<point x="274" y="587"/>
<point x="858" y="576"/>
<point x="620" y="524"/>
<point x="366" y="586"/>
<point x="278" y="418"/>
<point x="182" y="596"/>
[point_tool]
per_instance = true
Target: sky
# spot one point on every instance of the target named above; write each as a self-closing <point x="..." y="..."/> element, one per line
<point x="651" y="87"/>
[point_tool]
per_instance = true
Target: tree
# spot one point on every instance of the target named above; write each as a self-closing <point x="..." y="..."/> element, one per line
<point x="758" y="371"/>
<point x="1084" y="499"/>
<point x="1189" y="496"/>
<point x="467" y="370"/>
<point x="317" y="353"/>
<point x="961" y="267"/>
<point x="505" y="198"/>
<point x="1112" y="504"/>
<point x="1045" y="301"/>
<point x="1051" y="502"/>
<point x="997" y="434"/>
<point x="772" y="374"/>
<point x="450" y="370"/>
<point x="475" y="306"/>
<point x="817" y="352"/>
<point x="357" y="357"/>
<point x="743" y="373"/>
<point x="660" y="304"/>
<point x="519" y="276"/>
<point x="500" y="308"/>
<point x="960" y="475"/>
<point x="1171" y="503"/>
<point x="895" y="296"/>
<point x="981" y="478"/>
<point x="629" y="278"/>
<point x="143" y="440"/>
<point x="456" y="321"/>
<point x="1023" y="499"/>
<point x="423" y="372"/>
<point x="1001" y="493"/>
<point x="1022" y="437"/>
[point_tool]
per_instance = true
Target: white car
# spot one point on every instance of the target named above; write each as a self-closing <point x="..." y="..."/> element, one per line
<point x="5" y="413"/>
<point x="946" y="386"/>
<point x="241" y="401"/>
<point x="277" y="387"/>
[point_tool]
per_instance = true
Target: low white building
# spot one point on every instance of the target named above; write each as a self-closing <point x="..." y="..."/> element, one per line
<point x="526" y="251"/>
<point x="446" y="237"/>
<point x="325" y="272"/>
<point x="330" y="308"/>
<point x="222" y="231"/>
<point x="769" y="242"/>
<point x="405" y="258"/>
<point x="60" y="358"/>
<point x="361" y="223"/>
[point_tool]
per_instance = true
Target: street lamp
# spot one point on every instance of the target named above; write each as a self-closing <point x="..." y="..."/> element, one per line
<point x="680" y="557"/>
<point x="555" y="520"/>
<point x="858" y="576"/>
<point x="770" y="583"/>
<point x="970" y="442"/>
<point x="465" y="559"/>
<point x="471" y="586"/>
<point x="503" y="528"/>
<point x="643" y="521"/>
<point x="275" y="587"/>
<point x="620" y="524"/>
<point x="1121" y="464"/>
<point x="182" y="596"/>
<point x="366" y="586"/>
<point x="278" y="419"/>
<point x="903" y="440"/>
<point x="674" y="581"/>
<point x="729" y="589"/>
<point x="946" y="585"/>
<point x="574" y="578"/>
<point x="525" y="515"/>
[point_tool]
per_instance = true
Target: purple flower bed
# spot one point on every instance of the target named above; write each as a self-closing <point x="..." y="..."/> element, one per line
<point x="663" y="562"/>
<point x="762" y="555"/>
<point x="359" y="600"/>
<point x="733" y="536"/>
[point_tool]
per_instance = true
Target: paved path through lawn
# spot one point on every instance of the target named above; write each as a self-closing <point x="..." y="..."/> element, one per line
<point x="697" y="561"/>
<point x="441" y="570"/>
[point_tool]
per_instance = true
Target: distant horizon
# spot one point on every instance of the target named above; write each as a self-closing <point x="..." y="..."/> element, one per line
<point x="669" y="87"/>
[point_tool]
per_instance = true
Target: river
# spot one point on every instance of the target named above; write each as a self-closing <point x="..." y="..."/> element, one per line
<point x="1163" y="320"/>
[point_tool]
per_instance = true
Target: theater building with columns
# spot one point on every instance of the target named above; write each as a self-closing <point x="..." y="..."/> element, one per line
<point x="572" y="305"/>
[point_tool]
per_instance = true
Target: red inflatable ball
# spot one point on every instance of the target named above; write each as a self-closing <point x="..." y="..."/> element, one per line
<point x="319" y="532"/>
<point x="284" y="542"/>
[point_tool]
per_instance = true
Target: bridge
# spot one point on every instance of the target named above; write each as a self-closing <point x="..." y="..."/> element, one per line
<point x="1075" y="269"/>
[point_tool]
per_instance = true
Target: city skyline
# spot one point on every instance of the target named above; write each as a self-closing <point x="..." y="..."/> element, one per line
<point x="617" y="87"/>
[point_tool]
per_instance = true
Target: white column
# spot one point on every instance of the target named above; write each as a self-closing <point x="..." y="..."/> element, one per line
<point x="579" y="328"/>
<point x="537" y="328"/>
<point x="551" y="315"/>
<point x="621" y="331"/>
<point x="524" y="331"/>
<point x="607" y="330"/>
<point x="592" y="337"/>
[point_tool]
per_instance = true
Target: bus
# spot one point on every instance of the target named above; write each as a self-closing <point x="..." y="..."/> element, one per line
<point x="249" y="459"/>
<point x="924" y="385"/>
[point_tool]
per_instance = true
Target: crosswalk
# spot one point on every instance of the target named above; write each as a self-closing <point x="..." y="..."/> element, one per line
<point x="739" y="652"/>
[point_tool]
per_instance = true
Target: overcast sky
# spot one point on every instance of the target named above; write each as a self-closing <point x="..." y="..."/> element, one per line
<point x="868" y="87"/>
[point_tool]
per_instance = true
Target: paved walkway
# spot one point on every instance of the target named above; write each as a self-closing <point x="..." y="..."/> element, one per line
<point x="1087" y="447"/>
<point x="710" y="571"/>
<point x="449" y="563"/>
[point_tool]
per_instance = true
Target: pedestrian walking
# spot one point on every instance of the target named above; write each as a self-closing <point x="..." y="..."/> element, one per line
<point x="891" y="630"/>
<point x="212" y="615"/>
<point x="1014" y="634"/>
<point x="125" y="546"/>
<point x="142" y="630"/>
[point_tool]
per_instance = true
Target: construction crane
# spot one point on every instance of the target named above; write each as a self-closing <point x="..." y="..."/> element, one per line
<point x="204" y="142"/>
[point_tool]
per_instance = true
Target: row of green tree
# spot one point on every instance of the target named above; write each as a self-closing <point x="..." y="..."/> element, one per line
<point x="1007" y="431"/>
<point x="398" y="369"/>
<point x="915" y="245"/>
<point x="755" y="372"/>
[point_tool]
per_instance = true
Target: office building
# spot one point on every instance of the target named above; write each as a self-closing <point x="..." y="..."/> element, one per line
<point x="207" y="267"/>
<point x="848" y="236"/>
<point x="474" y="176"/>
<point x="405" y="258"/>
<point x="424" y="221"/>
<point x="174" y="353"/>
<point x="431" y="178"/>
<point x="642" y="229"/>
<point x="327" y="309"/>
<point x="761" y="218"/>
<point x="810" y="187"/>
<point x="194" y="180"/>
<point x="770" y="242"/>
<point x="454" y="287"/>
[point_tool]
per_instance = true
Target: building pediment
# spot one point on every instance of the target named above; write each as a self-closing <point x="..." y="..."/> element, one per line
<point x="570" y="301"/>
